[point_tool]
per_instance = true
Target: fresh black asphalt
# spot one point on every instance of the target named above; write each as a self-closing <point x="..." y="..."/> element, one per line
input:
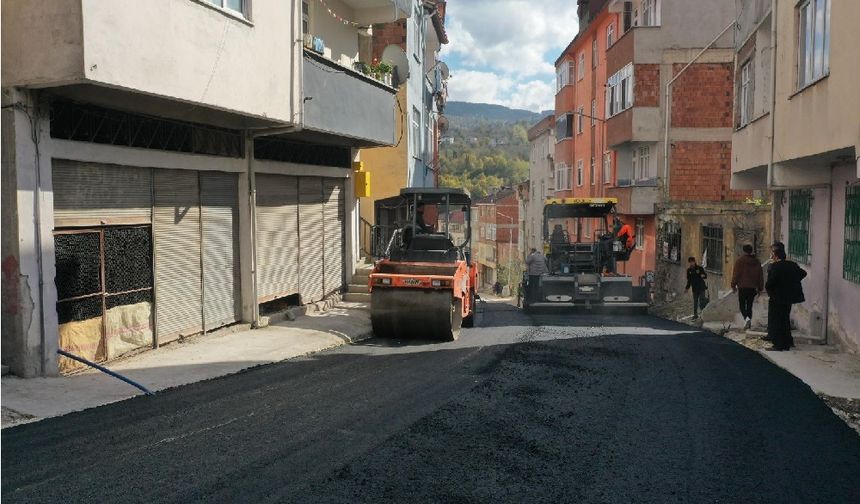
<point x="550" y="408"/>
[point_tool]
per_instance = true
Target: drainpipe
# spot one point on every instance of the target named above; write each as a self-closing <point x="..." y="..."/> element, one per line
<point x="773" y="44"/>
<point x="667" y="100"/>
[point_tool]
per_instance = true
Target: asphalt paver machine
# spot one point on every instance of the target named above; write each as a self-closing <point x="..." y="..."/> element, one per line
<point x="423" y="286"/>
<point x="583" y="249"/>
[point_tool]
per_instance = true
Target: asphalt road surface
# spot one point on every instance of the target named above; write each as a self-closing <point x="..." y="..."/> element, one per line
<point x="550" y="408"/>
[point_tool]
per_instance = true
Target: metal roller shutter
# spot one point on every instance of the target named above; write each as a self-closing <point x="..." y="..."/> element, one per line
<point x="333" y="238"/>
<point x="277" y="236"/>
<point x="220" y="213"/>
<point x="176" y="227"/>
<point x="88" y="194"/>
<point x="311" y="239"/>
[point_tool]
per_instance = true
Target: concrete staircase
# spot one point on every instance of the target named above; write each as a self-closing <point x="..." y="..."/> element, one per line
<point x="357" y="289"/>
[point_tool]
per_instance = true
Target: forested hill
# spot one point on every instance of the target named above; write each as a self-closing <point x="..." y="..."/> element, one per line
<point x="485" y="147"/>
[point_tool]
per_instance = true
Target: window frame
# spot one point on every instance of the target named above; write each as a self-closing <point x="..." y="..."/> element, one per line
<point x="800" y="202"/>
<point x="592" y="171"/>
<point x="851" y="247"/>
<point x="619" y="91"/>
<point x="640" y="233"/>
<point x="643" y="153"/>
<point x="594" y="49"/>
<point x="593" y="112"/>
<point x="746" y="92"/>
<point x="580" y="168"/>
<point x="417" y="145"/>
<point x="580" y="120"/>
<point x="807" y="19"/>
<point x="306" y="17"/>
<point x="671" y="238"/>
<point x="581" y="67"/>
<point x="610" y="34"/>
<point x="712" y="243"/>
<point x="607" y="167"/>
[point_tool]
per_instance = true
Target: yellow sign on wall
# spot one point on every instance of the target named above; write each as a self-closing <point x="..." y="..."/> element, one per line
<point x="362" y="184"/>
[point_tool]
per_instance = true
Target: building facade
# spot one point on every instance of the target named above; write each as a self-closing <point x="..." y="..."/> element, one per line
<point x="495" y="239"/>
<point x="152" y="191"/>
<point x="797" y="134"/>
<point x="541" y="183"/>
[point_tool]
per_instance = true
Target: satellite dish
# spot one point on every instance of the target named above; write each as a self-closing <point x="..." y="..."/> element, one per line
<point x="443" y="68"/>
<point x="443" y="123"/>
<point x="396" y="57"/>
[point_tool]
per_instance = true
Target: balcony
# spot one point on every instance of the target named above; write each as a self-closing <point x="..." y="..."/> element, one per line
<point x="342" y="102"/>
<point x="634" y="200"/>
<point x="368" y="12"/>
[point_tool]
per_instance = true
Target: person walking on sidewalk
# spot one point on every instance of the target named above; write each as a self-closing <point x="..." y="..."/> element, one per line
<point x="784" y="289"/>
<point x="747" y="281"/>
<point x="536" y="266"/>
<point x="696" y="280"/>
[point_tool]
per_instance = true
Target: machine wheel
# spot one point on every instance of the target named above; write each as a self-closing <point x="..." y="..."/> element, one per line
<point x="414" y="313"/>
<point x="469" y="320"/>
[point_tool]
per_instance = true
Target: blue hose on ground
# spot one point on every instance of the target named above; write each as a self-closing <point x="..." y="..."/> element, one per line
<point x="105" y="370"/>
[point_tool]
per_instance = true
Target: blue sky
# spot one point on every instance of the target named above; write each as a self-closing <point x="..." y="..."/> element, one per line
<point x="502" y="51"/>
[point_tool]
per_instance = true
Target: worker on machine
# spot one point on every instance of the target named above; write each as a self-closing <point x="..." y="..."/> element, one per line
<point x="624" y="233"/>
<point x="419" y="220"/>
<point x="557" y="236"/>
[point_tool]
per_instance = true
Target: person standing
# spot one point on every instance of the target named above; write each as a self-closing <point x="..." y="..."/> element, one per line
<point x="696" y="280"/>
<point x="536" y="266"/>
<point x="747" y="281"/>
<point x="783" y="289"/>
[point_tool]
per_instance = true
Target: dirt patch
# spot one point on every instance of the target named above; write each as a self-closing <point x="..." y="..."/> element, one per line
<point x="846" y="409"/>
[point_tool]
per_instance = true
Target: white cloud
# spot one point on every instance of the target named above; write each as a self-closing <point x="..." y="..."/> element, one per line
<point x="502" y="51"/>
<point x="488" y="87"/>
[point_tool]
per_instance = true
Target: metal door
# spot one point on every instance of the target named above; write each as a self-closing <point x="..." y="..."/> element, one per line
<point x="311" y="239"/>
<point x="277" y="236"/>
<point x="333" y="212"/>
<point x="178" y="275"/>
<point x="219" y="194"/>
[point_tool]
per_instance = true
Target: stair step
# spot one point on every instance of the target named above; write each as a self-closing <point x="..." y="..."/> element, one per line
<point x="357" y="297"/>
<point x="357" y="288"/>
<point x="360" y="278"/>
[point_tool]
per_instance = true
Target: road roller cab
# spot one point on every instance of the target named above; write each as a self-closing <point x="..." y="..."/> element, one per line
<point x="584" y="241"/>
<point x="423" y="283"/>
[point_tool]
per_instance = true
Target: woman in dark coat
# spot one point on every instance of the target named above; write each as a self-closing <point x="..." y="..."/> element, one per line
<point x="784" y="289"/>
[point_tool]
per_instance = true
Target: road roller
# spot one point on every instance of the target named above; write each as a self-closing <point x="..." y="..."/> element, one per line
<point x="584" y="241"/>
<point x="423" y="284"/>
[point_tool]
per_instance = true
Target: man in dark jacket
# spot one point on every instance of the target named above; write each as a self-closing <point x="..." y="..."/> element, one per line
<point x="696" y="280"/>
<point x="747" y="280"/>
<point x="784" y="289"/>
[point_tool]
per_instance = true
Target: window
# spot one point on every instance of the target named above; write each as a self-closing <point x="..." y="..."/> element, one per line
<point x="813" y="41"/>
<point x="417" y="39"/>
<point x="581" y="74"/>
<point x="619" y="91"/>
<point x="231" y="5"/>
<point x="644" y="164"/>
<point x="607" y="167"/>
<point x="640" y="233"/>
<point x="416" y="132"/>
<point x="591" y="169"/>
<point x="593" y="112"/>
<point x="628" y="16"/>
<point x="799" y="211"/>
<point x="851" y="256"/>
<point x="563" y="127"/>
<point x="712" y="248"/>
<point x="610" y="35"/>
<point x="306" y="17"/>
<point x="746" y="94"/>
<point x="649" y="13"/>
<point x="580" y="121"/>
<point x="562" y="177"/>
<point x="594" y="53"/>
<point x="579" y="173"/>
<point x="568" y="177"/>
<point x="671" y="246"/>
<point x="562" y="75"/>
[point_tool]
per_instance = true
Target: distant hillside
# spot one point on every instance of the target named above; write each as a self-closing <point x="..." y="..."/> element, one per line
<point x="490" y="112"/>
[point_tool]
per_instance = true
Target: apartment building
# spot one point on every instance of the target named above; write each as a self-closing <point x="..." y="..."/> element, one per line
<point x="422" y="95"/>
<point x="541" y="183"/>
<point x="669" y="95"/>
<point x="495" y="238"/>
<point x="158" y="182"/>
<point x="797" y="134"/>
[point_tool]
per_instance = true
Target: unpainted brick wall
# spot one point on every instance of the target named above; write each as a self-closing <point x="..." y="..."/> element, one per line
<point x="701" y="171"/>
<point x="646" y="91"/>
<point x="385" y="34"/>
<point x="702" y="96"/>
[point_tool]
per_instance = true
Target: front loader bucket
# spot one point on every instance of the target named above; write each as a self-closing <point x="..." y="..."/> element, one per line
<point x="415" y="313"/>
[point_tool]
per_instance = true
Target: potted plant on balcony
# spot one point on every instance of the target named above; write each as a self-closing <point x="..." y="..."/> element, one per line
<point x="381" y="71"/>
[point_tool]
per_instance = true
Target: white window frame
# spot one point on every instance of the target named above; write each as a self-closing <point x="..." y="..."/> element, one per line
<point x="416" y="133"/>
<point x="610" y="34"/>
<point x="223" y="5"/>
<point x="580" y="120"/>
<point x="746" y="95"/>
<point x="640" y="233"/>
<point x="607" y="167"/>
<point x="619" y="91"/>
<point x="593" y="112"/>
<point x="650" y="13"/>
<point x="579" y="173"/>
<point x="591" y="171"/>
<point x="306" y="17"/>
<point x="813" y="56"/>
<point x="643" y="153"/>
<point x="594" y="48"/>
<point x="581" y="74"/>
<point x="562" y="76"/>
<point x="417" y="40"/>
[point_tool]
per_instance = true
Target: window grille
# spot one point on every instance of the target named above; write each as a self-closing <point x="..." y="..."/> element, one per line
<point x="671" y="242"/>
<point x="712" y="245"/>
<point x="799" y="210"/>
<point x="851" y="257"/>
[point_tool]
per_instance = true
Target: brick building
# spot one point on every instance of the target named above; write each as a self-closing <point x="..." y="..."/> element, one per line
<point x="496" y="238"/>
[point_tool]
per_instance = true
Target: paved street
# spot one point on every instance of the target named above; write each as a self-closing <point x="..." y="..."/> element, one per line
<point x="551" y="408"/>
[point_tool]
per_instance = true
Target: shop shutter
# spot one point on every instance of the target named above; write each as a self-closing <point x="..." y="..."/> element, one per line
<point x="277" y="236"/>
<point x="89" y="194"/>
<point x="219" y="193"/>
<point x="311" y="239"/>
<point x="333" y="213"/>
<point x="176" y="227"/>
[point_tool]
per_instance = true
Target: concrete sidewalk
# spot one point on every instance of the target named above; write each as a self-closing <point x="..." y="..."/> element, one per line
<point x="196" y="359"/>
